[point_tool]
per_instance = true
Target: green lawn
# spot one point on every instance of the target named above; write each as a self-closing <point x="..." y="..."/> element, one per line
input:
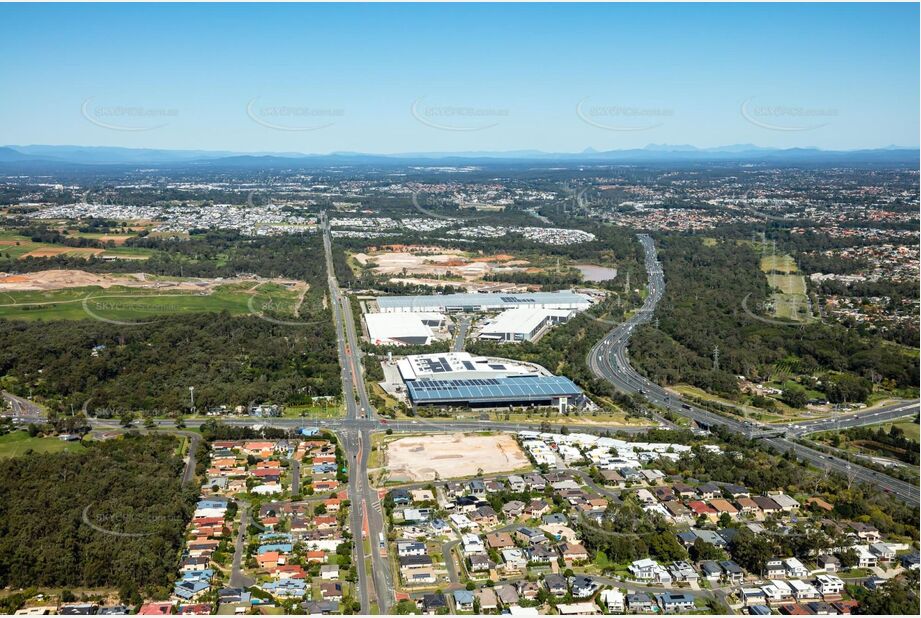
<point x="911" y="429"/>
<point x="782" y="274"/>
<point x="19" y="443"/>
<point x="132" y="304"/>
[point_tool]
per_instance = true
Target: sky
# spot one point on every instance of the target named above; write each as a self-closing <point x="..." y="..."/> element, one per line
<point x="459" y="78"/>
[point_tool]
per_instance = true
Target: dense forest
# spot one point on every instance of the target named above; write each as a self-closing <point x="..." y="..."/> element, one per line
<point x="150" y="366"/>
<point x="703" y="309"/>
<point x="128" y="485"/>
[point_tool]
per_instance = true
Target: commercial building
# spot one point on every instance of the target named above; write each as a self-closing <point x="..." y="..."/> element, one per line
<point x="522" y="324"/>
<point x="461" y="379"/>
<point x="554" y="391"/>
<point x="398" y="329"/>
<point x="454" y="303"/>
<point x="459" y="365"/>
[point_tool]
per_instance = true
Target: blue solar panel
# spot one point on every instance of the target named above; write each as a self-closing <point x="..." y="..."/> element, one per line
<point x="523" y="388"/>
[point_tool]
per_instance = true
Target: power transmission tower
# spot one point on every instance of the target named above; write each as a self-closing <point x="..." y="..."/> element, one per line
<point x="716" y="358"/>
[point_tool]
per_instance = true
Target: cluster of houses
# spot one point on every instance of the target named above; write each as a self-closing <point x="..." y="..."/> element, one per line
<point x="253" y="466"/>
<point x="521" y="531"/>
<point x="207" y="531"/>
<point x="492" y="542"/>
<point x="291" y="544"/>
<point x="618" y="461"/>
<point x="573" y="596"/>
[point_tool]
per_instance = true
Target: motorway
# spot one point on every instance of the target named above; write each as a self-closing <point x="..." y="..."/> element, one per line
<point x="608" y="359"/>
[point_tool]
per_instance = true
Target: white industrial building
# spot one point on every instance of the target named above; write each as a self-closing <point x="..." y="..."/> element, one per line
<point x="475" y="302"/>
<point x="522" y="324"/>
<point x="459" y="366"/>
<point x="401" y="328"/>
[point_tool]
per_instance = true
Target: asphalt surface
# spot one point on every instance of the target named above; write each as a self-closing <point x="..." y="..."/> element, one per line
<point x="367" y="521"/>
<point x="609" y="360"/>
<point x="460" y="337"/>
<point x="295" y="467"/>
<point x="21" y="409"/>
<point x="872" y="416"/>
<point x="238" y="579"/>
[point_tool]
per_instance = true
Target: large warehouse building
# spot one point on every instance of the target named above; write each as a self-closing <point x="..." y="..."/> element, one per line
<point x="461" y="379"/>
<point x="524" y="324"/>
<point x="453" y="303"/>
<point x="398" y="329"/>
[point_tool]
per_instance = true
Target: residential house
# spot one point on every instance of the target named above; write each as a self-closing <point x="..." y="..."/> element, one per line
<point x="829" y="586"/>
<point x="732" y="572"/>
<point x="613" y="601"/>
<point x="795" y="568"/>
<point x="573" y="553"/>
<point x="487" y="599"/>
<point x="828" y="563"/>
<point x="556" y="584"/>
<point x="752" y="596"/>
<point x="640" y="603"/>
<point x="676" y="602"/>
<point x="508" y="594"/>
<point x="513" y="508"/>
<point x="434" y="603"/>
<point x="499" y="540"/>
<point x="463" y="600"/>
<point x="583" y="587"/>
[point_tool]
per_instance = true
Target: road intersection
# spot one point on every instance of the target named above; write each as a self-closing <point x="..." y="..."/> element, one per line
<point x="608" y="359"/>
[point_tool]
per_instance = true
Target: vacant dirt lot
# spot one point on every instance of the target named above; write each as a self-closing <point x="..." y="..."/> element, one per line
<point x="452" y="455"/>
<point x="46" y="280"/>
<point x="53" y="251"/>
<point x="438" y="262"/>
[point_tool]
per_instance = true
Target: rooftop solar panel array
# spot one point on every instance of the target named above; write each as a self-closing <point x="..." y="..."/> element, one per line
<point x="527" y="388"/>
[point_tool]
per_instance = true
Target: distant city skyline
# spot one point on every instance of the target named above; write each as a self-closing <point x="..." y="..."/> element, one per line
<point x="387" y="79"/>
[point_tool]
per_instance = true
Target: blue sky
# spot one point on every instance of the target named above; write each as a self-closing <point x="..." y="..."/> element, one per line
<point x="414" y="78"/>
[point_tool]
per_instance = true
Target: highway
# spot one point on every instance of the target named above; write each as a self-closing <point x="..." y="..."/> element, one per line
<point x="367" y="521"/>
<point x="872" y="416"/>
<point x="608" y="359"/>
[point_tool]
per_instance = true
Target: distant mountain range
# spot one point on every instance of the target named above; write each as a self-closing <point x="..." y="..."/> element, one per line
<point x="38" y="156"/>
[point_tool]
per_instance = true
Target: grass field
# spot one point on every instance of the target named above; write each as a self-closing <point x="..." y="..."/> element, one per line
<point x="912" y="430"/>
<point x="19" y="443"/>
<point x="17" y="246"/>
<point x="791" y="302"/>
<point x="126" y="303"/>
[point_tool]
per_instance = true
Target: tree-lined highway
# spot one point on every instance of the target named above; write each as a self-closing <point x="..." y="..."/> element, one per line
<point x="609" y="360"/>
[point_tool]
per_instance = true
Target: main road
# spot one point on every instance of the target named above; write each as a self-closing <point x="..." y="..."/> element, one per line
<point x="367" y="521"/>
<point x="608" y="359"/>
